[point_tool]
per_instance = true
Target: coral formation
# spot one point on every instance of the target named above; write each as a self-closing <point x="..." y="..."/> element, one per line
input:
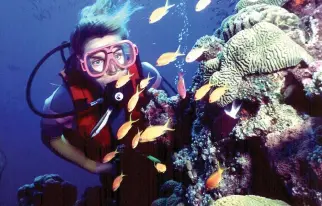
<point x="245" y="3"/>
<point x="249" y="16"/>
<point x="247" y="200"/>
<point x="49" y="189"/>
<point x="264" y="48"/>
<point x="210" y="45"/>
<point x="172" y="194"/>
<point x="274" y="148"/>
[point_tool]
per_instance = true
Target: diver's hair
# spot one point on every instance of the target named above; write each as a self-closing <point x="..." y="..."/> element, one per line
<point x="102" y="18"/>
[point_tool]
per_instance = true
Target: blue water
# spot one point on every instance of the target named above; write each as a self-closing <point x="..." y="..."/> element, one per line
<point x="29" y="29"/>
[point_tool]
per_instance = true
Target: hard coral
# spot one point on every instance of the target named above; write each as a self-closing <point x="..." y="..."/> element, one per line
<point x="173" y="193"/>
<point x="49" y="189"/>
<point x="251" y="15"/>
<point x="245" y="3"/>
<point x="262" y="49"/>
<point x="247" y="200"/>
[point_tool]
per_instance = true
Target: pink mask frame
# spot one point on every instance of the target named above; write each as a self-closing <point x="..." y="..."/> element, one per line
<point x="108" y="49"/>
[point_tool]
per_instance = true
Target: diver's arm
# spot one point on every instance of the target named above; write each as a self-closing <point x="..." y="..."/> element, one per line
<point x="52" y="133"/>
<point x="72" y="154"/>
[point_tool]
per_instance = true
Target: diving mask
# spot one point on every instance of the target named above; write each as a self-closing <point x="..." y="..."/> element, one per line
<point x="120" y="55"/>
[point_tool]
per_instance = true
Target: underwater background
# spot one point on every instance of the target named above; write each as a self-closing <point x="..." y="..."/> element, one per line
<point x="264" y="56"/>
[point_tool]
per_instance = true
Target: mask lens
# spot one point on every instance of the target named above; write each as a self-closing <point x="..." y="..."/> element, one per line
<point x="96" y="62"/>
<point x="123" y="54"/>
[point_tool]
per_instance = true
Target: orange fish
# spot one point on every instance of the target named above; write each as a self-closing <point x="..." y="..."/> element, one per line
<point x="160" y="12"/>
<point x="214" y="179"/>
<point x="136" y="139"/>
<point x="145" y="82"/>
<point x="124" y="129"/>
<point x="152" y="132"/>
<point x="134" y="99"/>
<point x="168" y="57"/>
<point x="123" y="80"/>
<point x="110" y="156"/>
<point x="181" y="86"/>
<point x="217" y="93"/>
<point x="160" y="167"/>
<point x="299" y="2"/>
<point x="202" y="91"/>
<point x="117" y="182"/>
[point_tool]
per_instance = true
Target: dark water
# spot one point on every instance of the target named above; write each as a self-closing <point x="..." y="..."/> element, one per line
<point x="31" y="28"/>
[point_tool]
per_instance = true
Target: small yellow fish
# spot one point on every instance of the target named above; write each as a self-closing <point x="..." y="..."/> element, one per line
<point x="152" y="132"/>
<point x="202" y="91"/>
<point x="124" y="129"/>
<point x="213" y="181"/>
<point x="147" y="140"/>
<point x="202" y="4"/>
<point x="168" y="57"/>
<point x="160" y="12"/>
<point x="123" y="80"/>
<point x="217" y="93"/>
<point x="117" y="181"/>
<point x="160" y="167"/>
<point x="194" y="54"/>
<point x="134" y="99"/>
<point x="145" y="82"/>
<point x="136" y="139"/>
<point x="110" y="156"/>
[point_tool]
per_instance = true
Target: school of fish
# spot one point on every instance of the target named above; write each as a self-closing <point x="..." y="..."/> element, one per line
<point x="152" y="132"/>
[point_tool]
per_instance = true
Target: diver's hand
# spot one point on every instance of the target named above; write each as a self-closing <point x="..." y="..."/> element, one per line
<point x="100" y="168"/>
<point x="106" y="168"/>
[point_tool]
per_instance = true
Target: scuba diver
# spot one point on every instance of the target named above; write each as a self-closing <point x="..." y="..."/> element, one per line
<point x="74" y="115"/>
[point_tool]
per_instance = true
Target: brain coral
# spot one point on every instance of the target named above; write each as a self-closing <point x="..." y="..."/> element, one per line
<point x="247" y="200"/>
<point x="264" y="48"/>
<point x="251" y="15"/>
<point x="245" y="3"/>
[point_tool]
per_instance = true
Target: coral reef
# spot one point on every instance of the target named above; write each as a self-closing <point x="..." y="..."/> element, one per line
<point x="264" y="48"/>
<point x="245" y="3"/>
<point x="249" y="16"/>
<point x="159" y="110"/>
<point x="312" y="24"/>
<point x="172" y="194"/>
<point x="274" y="149"/>
<point x="49" y="189"/>
<point x="247" y="200"/>
<point x="293" y="151"/>
<point x="210" y="45"/>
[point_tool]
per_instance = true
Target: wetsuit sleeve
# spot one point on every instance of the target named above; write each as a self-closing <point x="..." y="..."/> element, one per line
<point x="59" y="102"/>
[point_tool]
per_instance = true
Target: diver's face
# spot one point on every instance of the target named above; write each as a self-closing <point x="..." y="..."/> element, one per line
<point x="113" y="72"/>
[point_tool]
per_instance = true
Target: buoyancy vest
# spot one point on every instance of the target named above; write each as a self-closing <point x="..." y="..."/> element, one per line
<point x="83" y="93"/>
